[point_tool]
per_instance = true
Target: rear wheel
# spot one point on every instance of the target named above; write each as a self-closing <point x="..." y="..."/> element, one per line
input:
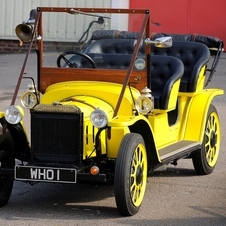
<point x="205" y="159"/>
<point x="130" y="174"/>
<point x="7" y="161"/>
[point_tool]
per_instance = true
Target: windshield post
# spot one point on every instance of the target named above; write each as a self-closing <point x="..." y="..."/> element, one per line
<point x="140" y="38"/>
<point x="148" y="54"/>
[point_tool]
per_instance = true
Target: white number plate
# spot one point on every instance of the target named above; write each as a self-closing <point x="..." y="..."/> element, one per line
<point x="46" y="174"/>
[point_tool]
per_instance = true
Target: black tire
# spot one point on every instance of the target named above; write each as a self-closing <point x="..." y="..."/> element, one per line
<point x="205" y="159"/>
<point x="7" y="161"/>
<point x="73" y="61"/>
<point x="130" y="174"/>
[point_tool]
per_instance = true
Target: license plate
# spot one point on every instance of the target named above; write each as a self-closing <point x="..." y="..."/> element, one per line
<point x="45" y="174"/>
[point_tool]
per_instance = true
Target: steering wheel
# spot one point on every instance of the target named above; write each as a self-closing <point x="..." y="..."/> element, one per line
<point x="76" y="60"/>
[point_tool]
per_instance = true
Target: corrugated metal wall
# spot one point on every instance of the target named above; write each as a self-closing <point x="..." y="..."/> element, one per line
<point x="13" y="12"/>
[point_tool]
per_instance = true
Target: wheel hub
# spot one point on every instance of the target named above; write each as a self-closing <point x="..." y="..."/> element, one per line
<point x="213" y="139"/>
<point x="139" y="175"/>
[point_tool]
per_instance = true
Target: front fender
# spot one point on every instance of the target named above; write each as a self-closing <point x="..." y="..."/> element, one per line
<point x="125" y="121"/>
<point x="197" y="116"/>
<point x="118" y="128"/>
<point x="19" y="137"/>
<point x="121" y="125"/>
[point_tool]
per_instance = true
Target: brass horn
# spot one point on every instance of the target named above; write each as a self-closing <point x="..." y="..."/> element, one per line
<point x="24" y="32"/>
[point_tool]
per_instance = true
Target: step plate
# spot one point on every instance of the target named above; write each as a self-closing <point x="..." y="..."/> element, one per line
<point x="178" y="149"/>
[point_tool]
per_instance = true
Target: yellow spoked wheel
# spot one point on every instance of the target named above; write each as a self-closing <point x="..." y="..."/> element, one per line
<point x="130" y="174"/>
<point x="205" y="159"/>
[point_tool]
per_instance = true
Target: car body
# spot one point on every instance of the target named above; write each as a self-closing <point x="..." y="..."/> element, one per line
<point x="103" y="115"/>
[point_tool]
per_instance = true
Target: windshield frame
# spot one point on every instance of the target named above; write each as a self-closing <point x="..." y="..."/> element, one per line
<point x="44" y="73"/>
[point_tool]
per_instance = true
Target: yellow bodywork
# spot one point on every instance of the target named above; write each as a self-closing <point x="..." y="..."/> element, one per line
<point x="190" y="123"/>
<point x="201" y="79"/>
<point x="87" y="96"/>
<point x="97" y="95"/>
<point x="173" y="96"/>
<point x="105" y="91"/>
<point x="196" y="119"/>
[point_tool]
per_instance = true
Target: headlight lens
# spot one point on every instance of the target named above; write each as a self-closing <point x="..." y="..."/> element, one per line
<point x="144" y="105"/>
<point x="14" y="114"/>
<point x="29" y="100"/>
<point x="99" y="118"/>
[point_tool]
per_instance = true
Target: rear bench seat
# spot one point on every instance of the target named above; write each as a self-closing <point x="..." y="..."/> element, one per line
<point x="194" y="56"/>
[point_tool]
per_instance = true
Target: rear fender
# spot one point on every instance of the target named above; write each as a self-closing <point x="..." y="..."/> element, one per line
<point x="199" y="107"/>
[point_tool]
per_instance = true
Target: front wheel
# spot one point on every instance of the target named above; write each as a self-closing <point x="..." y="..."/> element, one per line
<point x="7" y="161"/>
<point x="130" y="174"/>
<point x="205" y="159"/>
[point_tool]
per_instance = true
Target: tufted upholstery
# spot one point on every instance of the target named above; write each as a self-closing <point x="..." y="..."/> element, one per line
<point x="112" y="61"/>
<point x="125" y="46"/>
<point x="194" y="56"/>
<point x="166" y="73"/>
<point x="107" y="61"/>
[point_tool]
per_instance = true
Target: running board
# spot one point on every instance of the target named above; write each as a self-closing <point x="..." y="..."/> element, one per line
<point x="178" y="150"/>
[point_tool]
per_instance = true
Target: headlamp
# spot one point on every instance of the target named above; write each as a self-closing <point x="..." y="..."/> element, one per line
<point x="145" y="103"/>
<point x="29" y="99"/>
<point x="14" y="114"/>
<point x="99" y="118"/>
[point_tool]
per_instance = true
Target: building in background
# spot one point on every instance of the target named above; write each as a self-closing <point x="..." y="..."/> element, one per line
<point x="14" y="12"/>
<point x="186" y="16"/>
<point x="175" y="16"/>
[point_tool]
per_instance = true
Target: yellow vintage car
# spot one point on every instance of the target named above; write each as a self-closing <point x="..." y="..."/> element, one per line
<point x="113" y="107"/>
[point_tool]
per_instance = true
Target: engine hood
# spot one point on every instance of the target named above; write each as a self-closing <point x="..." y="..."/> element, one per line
<point x="86" y="104"/>
<point x="89" y="95"/>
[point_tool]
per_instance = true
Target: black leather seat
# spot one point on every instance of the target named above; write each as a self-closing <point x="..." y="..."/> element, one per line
<point x="194" y="56"/>
<point x="102" y="60"/>
<point x="117" y="46"/>
<point x="166" y="73"/>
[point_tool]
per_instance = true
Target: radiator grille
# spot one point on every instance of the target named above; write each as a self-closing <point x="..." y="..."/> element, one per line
<point x="56" y="136"/>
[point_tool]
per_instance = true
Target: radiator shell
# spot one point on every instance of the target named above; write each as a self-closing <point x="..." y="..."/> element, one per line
<point x="56" y="134"/>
